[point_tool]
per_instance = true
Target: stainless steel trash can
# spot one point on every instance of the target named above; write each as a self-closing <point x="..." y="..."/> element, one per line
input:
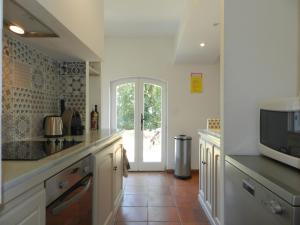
<point x="183" y="156"/>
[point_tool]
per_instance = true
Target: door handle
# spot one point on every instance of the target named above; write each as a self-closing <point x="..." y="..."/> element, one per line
<point x="142" y="121"/>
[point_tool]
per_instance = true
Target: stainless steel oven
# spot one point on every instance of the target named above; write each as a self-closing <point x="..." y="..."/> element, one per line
<point x="69" y="195"/>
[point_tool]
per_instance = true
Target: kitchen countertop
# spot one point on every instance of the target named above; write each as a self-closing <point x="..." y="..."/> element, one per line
<point x="210" y="135"/>
<point x="19" y="176"/>
<point x="281" y="179"/>
<point x="213" y="132"/>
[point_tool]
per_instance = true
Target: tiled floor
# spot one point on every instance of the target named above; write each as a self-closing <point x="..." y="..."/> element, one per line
<point x="160" y="199"/>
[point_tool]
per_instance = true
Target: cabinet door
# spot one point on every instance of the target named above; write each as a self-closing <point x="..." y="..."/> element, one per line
<point x="31" y="211"/>
<point x="103" y="189"/>
<point x="209" y="175"/>
<point x="202" y="167"/>
<point x="118" y="171"/>
<point x="217" y="185"/>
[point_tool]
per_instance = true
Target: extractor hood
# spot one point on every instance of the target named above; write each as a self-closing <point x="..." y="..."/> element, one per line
<point x="15" y="14"/>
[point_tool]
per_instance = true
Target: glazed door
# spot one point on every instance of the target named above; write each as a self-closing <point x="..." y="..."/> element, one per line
<point x="138" y="107"/>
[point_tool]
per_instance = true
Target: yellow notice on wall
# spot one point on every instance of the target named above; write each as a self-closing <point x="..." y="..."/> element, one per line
<point x="196" y="82"/>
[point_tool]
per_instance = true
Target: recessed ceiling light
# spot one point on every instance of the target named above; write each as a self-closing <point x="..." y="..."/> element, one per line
<point x="16" y="29"/>
<point x="202" y="44"/>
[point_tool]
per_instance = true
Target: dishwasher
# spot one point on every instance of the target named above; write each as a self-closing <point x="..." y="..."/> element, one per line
<point x="250" y="203"/>
<point x="69" y="195"/>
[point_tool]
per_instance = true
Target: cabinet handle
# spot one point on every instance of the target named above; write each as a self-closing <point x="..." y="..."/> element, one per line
<point x="115" y="168"/>
<point x="248" y="187"/>
<point x="203" y="162"/>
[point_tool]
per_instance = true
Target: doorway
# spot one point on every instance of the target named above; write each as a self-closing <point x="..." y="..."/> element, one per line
<point x="138" y="106"/>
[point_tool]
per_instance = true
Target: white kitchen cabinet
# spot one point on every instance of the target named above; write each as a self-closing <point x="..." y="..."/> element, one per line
<point x="217" y="184"/>
<point x="103" y="186"/>
<point x="208" y="182"/>
<point x="27" y="209"/>
<point x="202" y="168"/>
<point x="107" y="183"/>
<point x="210" y="176"/>
<point x="118" y="173"/>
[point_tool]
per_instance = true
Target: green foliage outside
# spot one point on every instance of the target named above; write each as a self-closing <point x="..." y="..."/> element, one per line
<point x="125" y="106"/>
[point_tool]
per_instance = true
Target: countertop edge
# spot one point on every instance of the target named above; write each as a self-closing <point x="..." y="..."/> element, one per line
<point x="280" y="192"/>
<point x="211" y="136"/>
<point x="21" y="184"/>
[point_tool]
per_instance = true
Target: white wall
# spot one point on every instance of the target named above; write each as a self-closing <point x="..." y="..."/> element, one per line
<point x="261" y="42"/>
<point x="83" y="18"/>
<point x="127" y="57"/>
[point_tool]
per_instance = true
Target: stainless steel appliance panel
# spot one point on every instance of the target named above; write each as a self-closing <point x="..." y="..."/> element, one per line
<point x="63" y="181"/>
<point x="74" y="207"/>
<point x="249" y="203"/>
<point x="69" y="195"/>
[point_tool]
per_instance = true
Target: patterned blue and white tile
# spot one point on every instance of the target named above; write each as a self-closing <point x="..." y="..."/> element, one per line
<point x="72" y="68"/>
<point x="51" y="104"/>
<point x="7" y="127"/>
<point x="37" y="101"/>
<point x="22" y="75"/>
<point x="22" y="126"/>
<point x="38" y="78"/>
<point x="21" y="100"/>
<point x="37" y="120"/>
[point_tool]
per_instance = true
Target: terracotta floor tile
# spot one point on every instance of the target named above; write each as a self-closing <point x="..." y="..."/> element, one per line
<point x="159" y="188"/>
<point x="135" y="200"/>
<point x="132" y="214"/>
<point x="130" y="223"/>
<point x="135" y="189"/>
<point x="193" y="223"/>
<point x="160" y="199"/>
<point x="163" y="223"/>
<point x="192" y="215"/>
<point x="159" y="195"/>
<point x="162" y="214"/>
<point x="191" y="202"/>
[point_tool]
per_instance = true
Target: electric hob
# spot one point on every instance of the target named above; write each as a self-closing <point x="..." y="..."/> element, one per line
<point x="34" y="150"/>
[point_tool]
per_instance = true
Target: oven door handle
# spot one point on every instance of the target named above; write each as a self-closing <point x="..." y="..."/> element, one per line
<point x="56" y="210"/>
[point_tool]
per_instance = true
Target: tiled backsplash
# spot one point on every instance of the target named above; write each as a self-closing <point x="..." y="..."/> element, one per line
<point x="72" y="86"/>
<point x="33" y="84"/>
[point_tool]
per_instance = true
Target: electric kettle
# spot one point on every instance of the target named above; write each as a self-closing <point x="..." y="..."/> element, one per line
<point x="53" y="126"/>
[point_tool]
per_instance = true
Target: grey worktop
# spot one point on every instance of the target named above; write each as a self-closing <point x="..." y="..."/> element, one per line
<point x="281" y="179"/>
<point x="19" y="176"/>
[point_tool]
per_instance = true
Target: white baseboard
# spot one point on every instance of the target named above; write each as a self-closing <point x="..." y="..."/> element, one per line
<point x="117" y="204"/>
<point x="207" y="212"/>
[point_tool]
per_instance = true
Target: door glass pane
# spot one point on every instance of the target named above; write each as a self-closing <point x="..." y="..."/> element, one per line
<point x="125" y="103"/>
<point x="152" y="125"/>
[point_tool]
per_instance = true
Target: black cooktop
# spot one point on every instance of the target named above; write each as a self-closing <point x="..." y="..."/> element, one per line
<point x="34" y="150"/>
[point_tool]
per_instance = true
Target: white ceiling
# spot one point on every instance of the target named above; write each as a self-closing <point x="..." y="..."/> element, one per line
<point x="136" y="18"/>
<point x="189" y="21"/>
<point x="200" y="23"/>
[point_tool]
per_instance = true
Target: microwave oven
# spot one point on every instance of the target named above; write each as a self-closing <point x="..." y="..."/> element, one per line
<point x="280" y="131"/>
